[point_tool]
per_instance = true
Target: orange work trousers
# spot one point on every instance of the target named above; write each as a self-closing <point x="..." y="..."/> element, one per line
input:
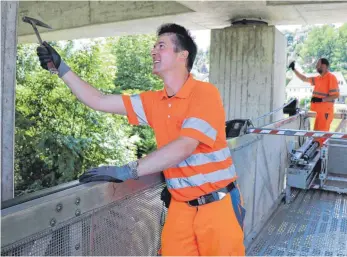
<point x="324" y="117"/>
<point x="212" y="229"/>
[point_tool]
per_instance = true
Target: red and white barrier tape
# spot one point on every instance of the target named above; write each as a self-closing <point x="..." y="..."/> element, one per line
<point x="300" y="133"/>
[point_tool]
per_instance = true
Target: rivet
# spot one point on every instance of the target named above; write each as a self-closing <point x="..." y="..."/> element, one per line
<point x="78" y="212"/>
<point x="77" y="246"/>
<point x="53" y="222"/>
<point x="78" y="200"/>
<point x="59" y="207"/>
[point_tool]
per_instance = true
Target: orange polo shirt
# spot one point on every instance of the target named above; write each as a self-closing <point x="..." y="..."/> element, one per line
<point x="324" y="86"/>
<point x="196" y="111"/>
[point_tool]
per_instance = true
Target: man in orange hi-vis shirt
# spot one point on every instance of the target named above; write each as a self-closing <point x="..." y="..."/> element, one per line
<point x="326" y="90"/>
<point x="206" y="213"/>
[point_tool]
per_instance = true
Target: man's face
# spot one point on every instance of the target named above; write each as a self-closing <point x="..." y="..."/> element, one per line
<point x="321" y="68"/>
<point x="164" y="56"/>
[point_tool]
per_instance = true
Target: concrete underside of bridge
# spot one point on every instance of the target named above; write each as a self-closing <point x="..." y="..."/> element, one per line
<point x="247" y="62"/>
<point x="76" y="19"/>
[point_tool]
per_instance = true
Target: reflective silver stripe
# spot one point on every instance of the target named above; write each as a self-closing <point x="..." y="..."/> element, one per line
<point x="318" y="93"/>
<point x="138" y="109"/>
<point x="200" y="179"/>
<point x="200" y="125"/>
<point x="334" y="90"/>
<point x="204" y="158"/>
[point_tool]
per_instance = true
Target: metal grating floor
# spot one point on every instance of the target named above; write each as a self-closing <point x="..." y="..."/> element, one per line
<point x="313" y="224"/>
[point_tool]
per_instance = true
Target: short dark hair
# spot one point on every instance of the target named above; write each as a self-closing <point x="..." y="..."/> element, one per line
<point x="324" y="61"/>
<point x="183" y="41"/>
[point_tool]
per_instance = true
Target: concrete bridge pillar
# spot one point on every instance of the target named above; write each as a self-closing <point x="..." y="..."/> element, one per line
<point x="9" y="10"/>
<point x="248" y="65"/>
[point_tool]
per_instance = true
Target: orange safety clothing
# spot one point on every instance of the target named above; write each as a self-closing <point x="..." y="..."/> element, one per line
<point x="196" y="111"/>
<point x="214" y="229"/>
<point x="324" y="86"/>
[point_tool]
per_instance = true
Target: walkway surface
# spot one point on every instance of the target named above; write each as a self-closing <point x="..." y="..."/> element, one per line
<point x="313" y="224"/>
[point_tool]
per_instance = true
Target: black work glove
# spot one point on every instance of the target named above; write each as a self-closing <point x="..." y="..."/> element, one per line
<point x="316" y="100"/>
<point x="107" y="173"/>
<point x="292" y="65"/>
<point x="47" y="53"/>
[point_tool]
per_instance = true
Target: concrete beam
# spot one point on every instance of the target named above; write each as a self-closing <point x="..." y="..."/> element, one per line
<point x="7" y="98"/>
<point x="87" y="19"/>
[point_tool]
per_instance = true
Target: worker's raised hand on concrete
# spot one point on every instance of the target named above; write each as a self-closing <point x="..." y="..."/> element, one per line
<point x="292" y="65"/>
<point x="108" y="173"/>
<point x="46" y="53"/>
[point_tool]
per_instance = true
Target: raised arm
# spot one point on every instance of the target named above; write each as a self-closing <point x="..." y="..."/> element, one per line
<point x="86" y="93"/>
<point x="299" y="75"/>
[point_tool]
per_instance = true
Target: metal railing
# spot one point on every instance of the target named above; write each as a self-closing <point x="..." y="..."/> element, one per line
<point x="126" y="219"/>
<point x="260" y="162"/>
<point x="87" y="219"/>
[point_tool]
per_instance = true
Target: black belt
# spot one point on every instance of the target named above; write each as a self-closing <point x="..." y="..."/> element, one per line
<point x="212" y="197"/>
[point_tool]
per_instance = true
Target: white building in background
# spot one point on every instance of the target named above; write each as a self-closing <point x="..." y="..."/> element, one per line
<point x="301" y="90"/>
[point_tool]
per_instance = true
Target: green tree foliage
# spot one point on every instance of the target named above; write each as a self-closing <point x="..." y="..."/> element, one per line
<point x="57" y="137"/>
<point x="341" y="49"/>
<point x="134" y="75"/>
<point x="326" y="41"/>
<point x="134" y="63"/>
<point x="305" y="102"/>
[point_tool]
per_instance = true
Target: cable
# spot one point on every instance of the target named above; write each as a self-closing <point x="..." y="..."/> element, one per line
<point x="274" y="111"/>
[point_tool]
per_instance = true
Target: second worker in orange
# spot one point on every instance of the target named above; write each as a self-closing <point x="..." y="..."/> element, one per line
<point x="325" y="91"/>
